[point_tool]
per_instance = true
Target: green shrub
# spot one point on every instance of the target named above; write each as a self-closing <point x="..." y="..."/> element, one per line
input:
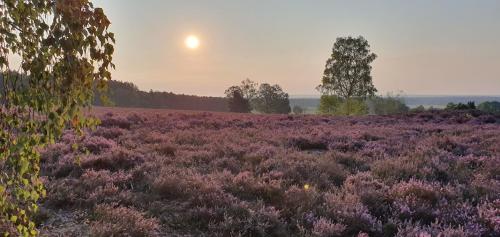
<point x="298" y="110"/>
<point x="418" y="109"/>
<point x="461" y="106"/>
<point x="490" y="107"/>
<point x="329" y="104"/>
<point x="387" y="105"/>
<point x="333" y="105"/>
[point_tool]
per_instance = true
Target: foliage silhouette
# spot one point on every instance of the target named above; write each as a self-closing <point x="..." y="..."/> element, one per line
<point x="461" y="106"/>
<point x="272" y="100"/>
<point x="236" y="102"/>
<point x="65" y="48"/>
<point x="126" y="94"/>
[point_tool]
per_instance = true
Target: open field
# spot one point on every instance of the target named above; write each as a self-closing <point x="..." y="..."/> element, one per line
<point x="175" y="173"/>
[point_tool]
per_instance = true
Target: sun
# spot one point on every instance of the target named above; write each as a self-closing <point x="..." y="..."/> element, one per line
<point x="192" y="42"/>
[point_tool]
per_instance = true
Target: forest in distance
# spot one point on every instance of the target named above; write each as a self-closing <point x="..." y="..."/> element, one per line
<point x="126" y="94"/>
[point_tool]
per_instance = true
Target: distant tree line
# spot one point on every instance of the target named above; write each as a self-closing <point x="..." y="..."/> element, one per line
<point x="126" y="94"/>
<point x="492" y="107"/>
<point x="461" y="106"/>
<point x="266" y="98"/>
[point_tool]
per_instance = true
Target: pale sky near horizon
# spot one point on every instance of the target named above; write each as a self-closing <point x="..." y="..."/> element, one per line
<point x="425" y="47"/>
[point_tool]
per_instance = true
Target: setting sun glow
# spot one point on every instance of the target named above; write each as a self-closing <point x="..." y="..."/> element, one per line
<point x="192" y="42"/>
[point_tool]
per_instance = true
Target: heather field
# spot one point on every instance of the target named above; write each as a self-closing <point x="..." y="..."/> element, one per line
<point x="175" y="173"/>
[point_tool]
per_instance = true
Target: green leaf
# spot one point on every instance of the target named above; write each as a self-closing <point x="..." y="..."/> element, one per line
<point x="24" y="165"/>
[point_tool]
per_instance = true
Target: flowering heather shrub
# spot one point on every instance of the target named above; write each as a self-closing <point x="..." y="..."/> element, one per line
<point x="417" y="200"/>
<point x="165" y="149"/>
<point x="97" y="145"/>
<point x="109" y="133"/>
<point x="326" y="228"/>
<point x="299" y="203"/>
<point x="134" y="118"/>
<point x="436" y="229"/>
<point x="350" y="211"/>
<point x="109" y="120"/>
<point x="251" y="221"/>
<point x="174" y="184"/>
<point x="122" y="221"/>
<point x="168" y="173"/>
<point x="489" y="214"/>
<point x="371" y="192"/>
<point x="115" y="159"/>
<point x="248" y="187"/>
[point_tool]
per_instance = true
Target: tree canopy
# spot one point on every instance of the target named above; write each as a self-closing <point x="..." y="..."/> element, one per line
<point x="65" y="49"/>
<point x="236" y="101"/>
<point x="268" y="99"/>
<point x="271" y="99"/>
<point x="248" y="89"/>
<point x="347" y="79"/>
<point x="348" y="71"/>
<point x="241" y="97"/>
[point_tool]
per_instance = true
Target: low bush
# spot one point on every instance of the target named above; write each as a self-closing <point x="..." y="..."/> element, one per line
<point x="492" y="107"/>
<point x="97" y="145"/>
<point x="387" y="105"/>
<point x="333" y="105"/>
<point x="122" y="221"/>
<point x="326" y="228"/>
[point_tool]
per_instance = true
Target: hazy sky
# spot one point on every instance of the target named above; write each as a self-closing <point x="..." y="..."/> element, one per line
<point x="425" y="47"/>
